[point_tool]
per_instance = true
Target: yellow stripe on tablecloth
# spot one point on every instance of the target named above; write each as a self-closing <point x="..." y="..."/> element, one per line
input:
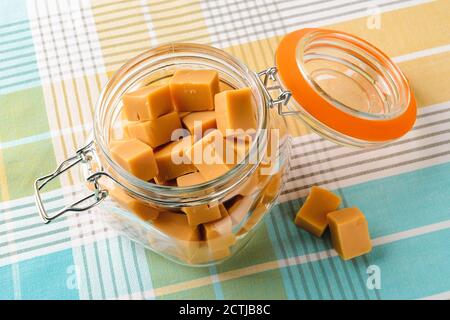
<point x="56" y="123"/>
<point x="180" y="22"/>
<point x="429" y="78"/>
<point x="182" y="286"/>
<point x="122" y="31"/>
<point x="258" y="55"/>
<point x="405" y="30"/>
<point x="69" y="104"/>
<point x="4" y="191"/>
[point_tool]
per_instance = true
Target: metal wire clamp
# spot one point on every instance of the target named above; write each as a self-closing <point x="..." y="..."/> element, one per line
<point x="94" y="198"/>
<point x="284" y="95"/>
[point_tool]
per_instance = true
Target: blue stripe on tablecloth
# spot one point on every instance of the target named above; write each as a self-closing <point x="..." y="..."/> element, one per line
<point x="415" y="267"/>
<point x="14" y="14"/>
<point x="414" y="206"/>
<point x="18" y="66"/>
<point x="47" y="277"/>
<point x="6" y="283"/>
<point x="216" y="284"/>
<point x="16" y="281"/>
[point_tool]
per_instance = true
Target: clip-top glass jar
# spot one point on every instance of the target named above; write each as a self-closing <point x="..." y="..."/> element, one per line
<point x="342" y="87"/>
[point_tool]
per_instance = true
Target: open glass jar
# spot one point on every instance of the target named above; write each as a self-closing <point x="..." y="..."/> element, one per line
<point x="341" y="86"/>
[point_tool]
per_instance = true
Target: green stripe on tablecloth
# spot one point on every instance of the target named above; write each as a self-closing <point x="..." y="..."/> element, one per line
<point x="264" y="285"/>
<point x="174" y="273"/>
<point x="25" y="161"/>
<point x="25" y="110"/>
<point x="259" y="250"/>
<point x="204" y="293"/>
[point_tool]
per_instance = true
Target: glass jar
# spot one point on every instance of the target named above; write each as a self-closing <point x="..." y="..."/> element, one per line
<point x="339" y="85"/>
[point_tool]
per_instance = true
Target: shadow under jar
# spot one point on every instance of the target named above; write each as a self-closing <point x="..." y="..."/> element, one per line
<point x="342" y="87"/>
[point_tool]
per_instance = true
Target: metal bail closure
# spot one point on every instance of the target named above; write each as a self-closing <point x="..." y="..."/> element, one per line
<point x="93" y="199"/>
<point x="283" y="95"/>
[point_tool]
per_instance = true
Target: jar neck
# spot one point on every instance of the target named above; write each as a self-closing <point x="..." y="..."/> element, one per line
<point x="150" y="67"/>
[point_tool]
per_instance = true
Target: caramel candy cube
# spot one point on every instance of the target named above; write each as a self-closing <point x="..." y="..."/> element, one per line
<point x="239" y="209"/>
<point x="176" y="226"/>
<point x="201" y="214"/>
<point x="218" y="227"/>
<point x="212" y="156"/>
<point x="199" y="122"/>
<point x="219" y="233"/>
<point x="235" y="110"/>
<point x="136" y="157"/>
<point x="312" y="216"/>
<point x="190" y="179"/>
<point x="223" y="86"/>
<point x="205" y="255"/>
<point x="270" y="163"/>
<point x="242" y="147"/>
<point x="147" y="103"/>
<point x="349" y="233"/>
<point x="272" y="189"/>
<point x="155" y="132"/>
<point x="142" y="210"/>
<point x="172" y="161"/>
<point x="171" y="183"/>
<point x="194" y="90"/>
<point x="125" y="132"/>
<point x="183" y="114"/>
<point x="116" y="142"/>
<point x="250" y="186"/>
<point x="255" y="217"/>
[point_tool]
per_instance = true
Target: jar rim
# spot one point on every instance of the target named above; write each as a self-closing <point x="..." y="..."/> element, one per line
<point x="174" y="52"/>
<point x="361" y="65"/>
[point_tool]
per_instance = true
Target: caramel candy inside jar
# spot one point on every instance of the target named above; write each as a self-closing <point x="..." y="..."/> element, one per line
<point x="204" y="106"/>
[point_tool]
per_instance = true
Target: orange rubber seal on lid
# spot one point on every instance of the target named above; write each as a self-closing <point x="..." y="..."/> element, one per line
<point x="325" y="112"/>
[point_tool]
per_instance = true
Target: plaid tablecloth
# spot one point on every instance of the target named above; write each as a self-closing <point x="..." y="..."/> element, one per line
<point x="55" y="56"/>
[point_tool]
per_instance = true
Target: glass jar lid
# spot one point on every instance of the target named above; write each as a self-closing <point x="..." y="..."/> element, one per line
<point x="345" y="88"/>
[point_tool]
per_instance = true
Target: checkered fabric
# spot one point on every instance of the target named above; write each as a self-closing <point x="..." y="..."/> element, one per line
<point x="55" y="57"/>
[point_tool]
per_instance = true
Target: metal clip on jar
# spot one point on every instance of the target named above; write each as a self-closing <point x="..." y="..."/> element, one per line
<point x="342" y="87"/>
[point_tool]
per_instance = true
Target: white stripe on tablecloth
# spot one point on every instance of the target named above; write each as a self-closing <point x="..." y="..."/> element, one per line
<point x="439" y="296"/>
<point x="422" y="54"/>
<point x="148" y="21"/>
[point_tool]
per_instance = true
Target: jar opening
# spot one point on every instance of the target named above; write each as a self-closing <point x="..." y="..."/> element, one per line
<point x="153" y="67"/>
<point x="344" y="88"/>
<point x="352" y="75"/>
